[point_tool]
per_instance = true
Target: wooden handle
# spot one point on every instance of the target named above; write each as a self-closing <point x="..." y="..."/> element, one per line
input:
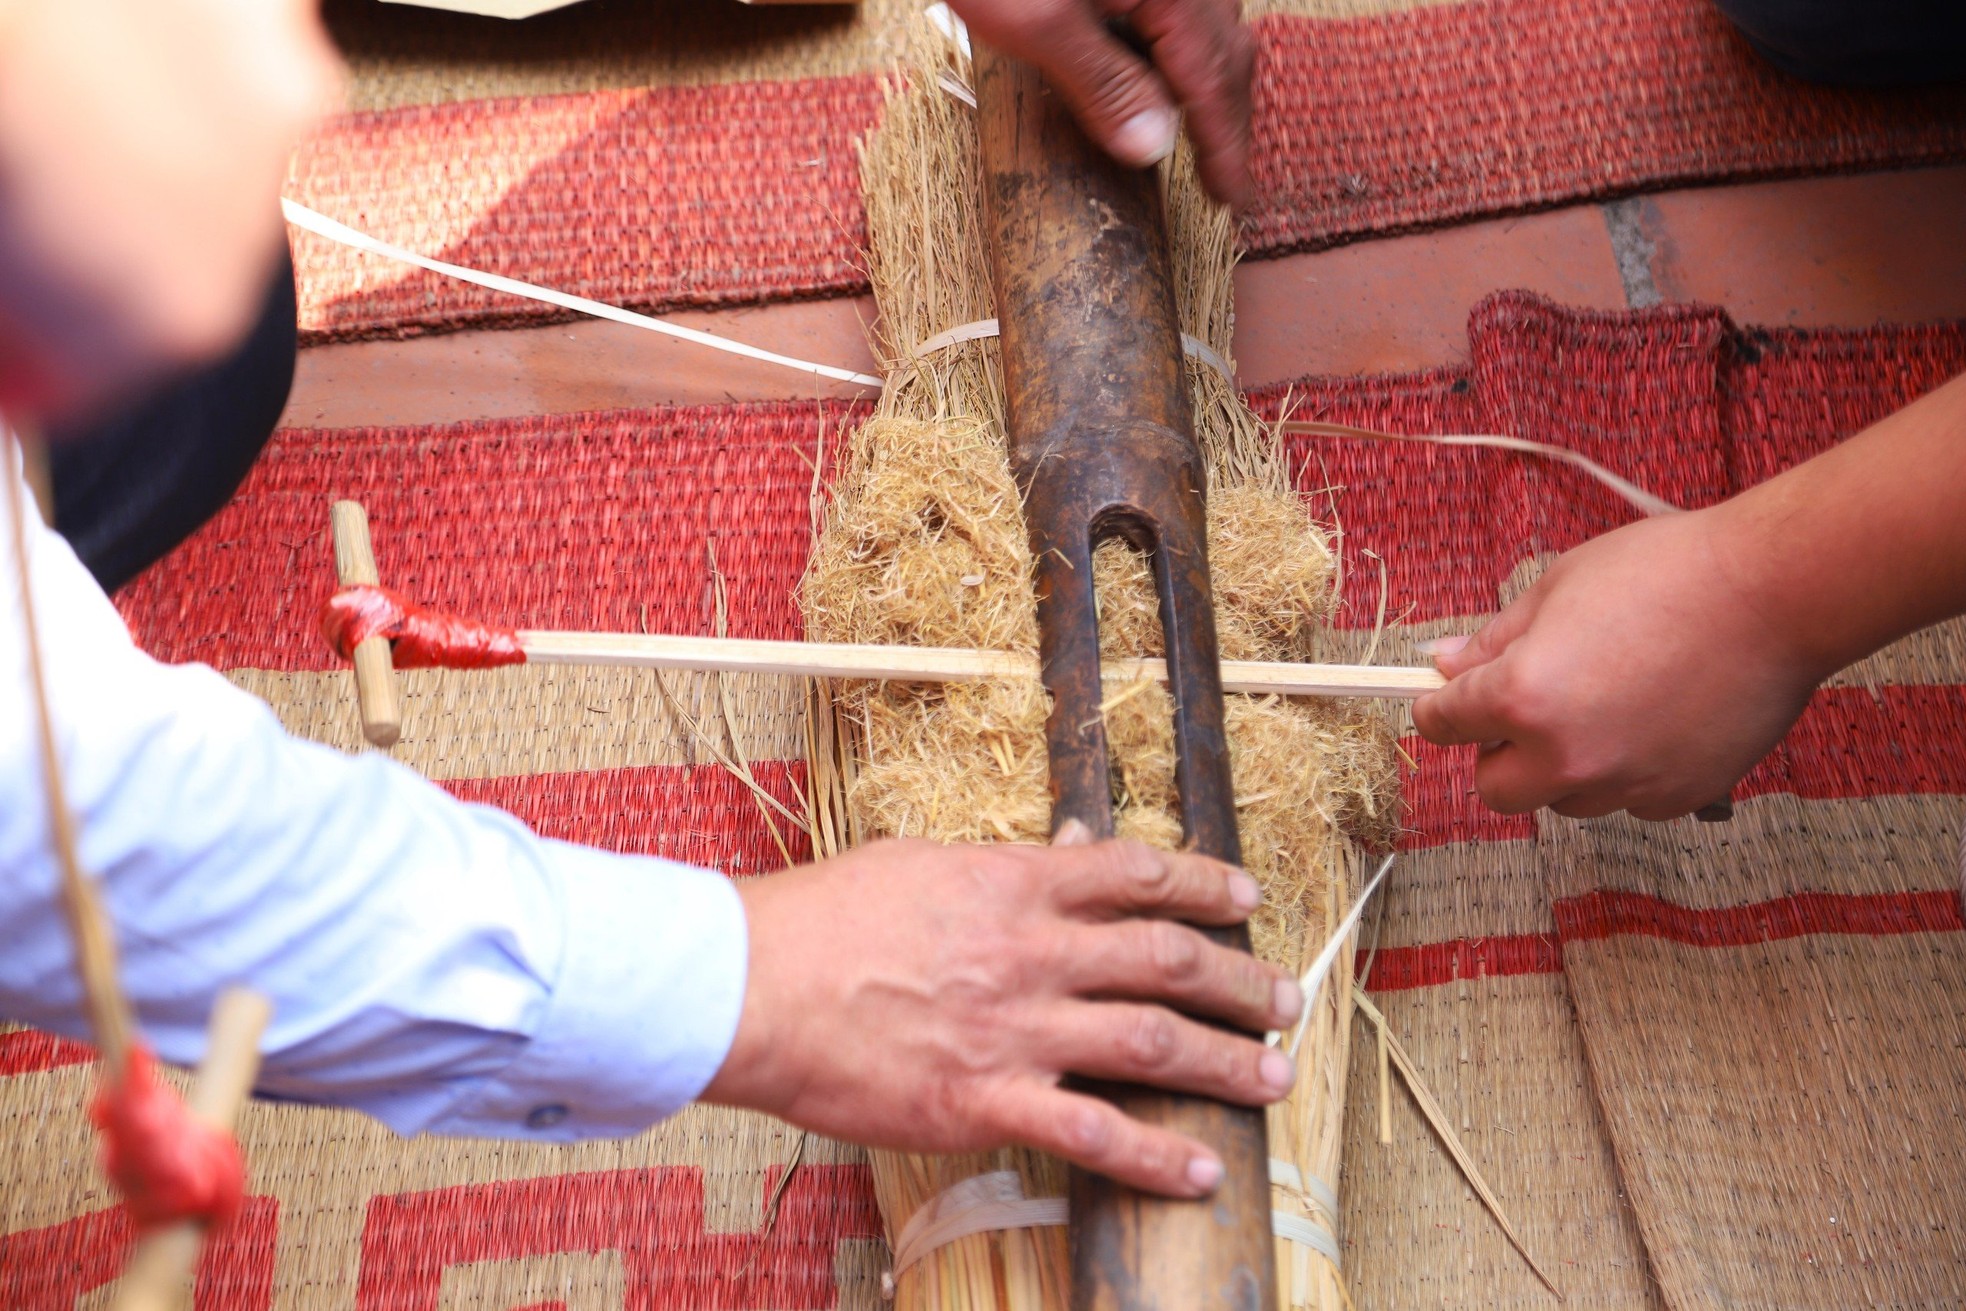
<point x="375" y="670"/>
<point x="161" y="1267"/>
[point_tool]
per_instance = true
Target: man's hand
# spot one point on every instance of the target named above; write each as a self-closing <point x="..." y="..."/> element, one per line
<point x="1641" y="673"/>
<point x="1200" y="59"/>
<point x="931" y="998"/>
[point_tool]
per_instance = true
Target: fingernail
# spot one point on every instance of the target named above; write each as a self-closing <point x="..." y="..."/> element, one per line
<point x="1440" y="646"/>
<point x="1278" y="1070"/>
<point x="1072" y="833"/>
<point x="1244" y="893"/>
<point x="1204" y="1172"/>
<point x="1287" y="1001"/>
<point x="1146" y="138"/>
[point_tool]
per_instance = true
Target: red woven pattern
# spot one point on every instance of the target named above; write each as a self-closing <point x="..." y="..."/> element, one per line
<point x="653" y="1218"/>
<point x="602" y="521"/>
<point x="1607" y="914"/>
<point x="1604" y="914"/>
<point x="653" y="198"/>
<point x="53" y="1267"/>
<point x="25" y="1051"/>
<point x="1446" y="111"/>
<point x="1676" y="399"/>
<point x="744" y="192"/>
<point x="699" y="814"/>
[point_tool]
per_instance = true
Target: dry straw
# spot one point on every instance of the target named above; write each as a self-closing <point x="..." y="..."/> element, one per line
<point x="923" y="543"/>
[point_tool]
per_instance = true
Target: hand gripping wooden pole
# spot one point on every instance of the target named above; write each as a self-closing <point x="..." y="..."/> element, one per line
<point x="375" y="670"/>
<point x="1102" y="443"/>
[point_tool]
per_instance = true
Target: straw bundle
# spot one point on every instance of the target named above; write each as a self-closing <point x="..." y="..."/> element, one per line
<point x="924" y="543"/>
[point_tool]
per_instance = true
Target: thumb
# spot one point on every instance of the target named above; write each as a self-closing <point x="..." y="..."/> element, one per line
<point x="1456" y="655"/>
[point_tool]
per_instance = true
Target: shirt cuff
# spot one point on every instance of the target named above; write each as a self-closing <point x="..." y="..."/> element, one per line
<point x="651" y="983"/>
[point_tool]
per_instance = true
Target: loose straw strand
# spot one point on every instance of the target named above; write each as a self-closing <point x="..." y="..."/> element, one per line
<point x="110" y="1021"/>
<point x="1626" y="490"/>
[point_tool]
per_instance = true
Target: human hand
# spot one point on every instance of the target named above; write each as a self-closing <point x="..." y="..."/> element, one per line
<point x="1639" y="673"/>
<point x="1200" y="58"/>
<point x="930" y="998"/>
<point x="142" y="146"/>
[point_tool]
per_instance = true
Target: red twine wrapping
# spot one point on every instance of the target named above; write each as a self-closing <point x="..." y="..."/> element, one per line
<point x="418" y="638"/>
<point x="168" y="1164"/>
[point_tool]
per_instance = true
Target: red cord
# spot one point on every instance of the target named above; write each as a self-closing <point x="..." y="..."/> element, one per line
<point x="168" y="1164"/>
<point x="418" y="638"/>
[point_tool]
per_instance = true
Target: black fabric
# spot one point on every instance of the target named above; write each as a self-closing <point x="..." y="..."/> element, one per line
<point x="1858" y="42"/>
<point x="131" y="486"/>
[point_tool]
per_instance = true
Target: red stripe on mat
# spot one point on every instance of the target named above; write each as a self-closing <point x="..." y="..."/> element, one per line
<point x="1606" y="914"/>
<point x="700" y="195"/>
<point x="712" y="194"/>
<point x="1395" y="969"/>
<point x="1446" y="111"/>
<point x="700" y="814"/>
<point x="591" y="521"/>
<point x="29" y="1051"/>
<point x="1677" y="399"/>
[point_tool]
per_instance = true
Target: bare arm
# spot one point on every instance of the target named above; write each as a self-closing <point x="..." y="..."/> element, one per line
<point x="1650" y="669"/>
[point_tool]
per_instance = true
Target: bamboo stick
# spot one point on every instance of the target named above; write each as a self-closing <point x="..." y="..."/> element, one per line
<point x="929" y="664"/>
<point x="161" y="1267"/>
<point x="375" y="669"/>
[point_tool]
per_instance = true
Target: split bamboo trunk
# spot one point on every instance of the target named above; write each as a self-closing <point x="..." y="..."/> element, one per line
<point x="923" y="543"/>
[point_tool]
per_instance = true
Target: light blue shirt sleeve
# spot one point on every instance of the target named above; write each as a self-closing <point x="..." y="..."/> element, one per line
<point x="432" y="963"/>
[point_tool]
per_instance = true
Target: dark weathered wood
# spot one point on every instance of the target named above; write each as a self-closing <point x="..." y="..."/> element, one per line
<point x="1103" y="445"/>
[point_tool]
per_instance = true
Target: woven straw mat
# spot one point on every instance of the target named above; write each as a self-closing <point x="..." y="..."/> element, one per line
<point x="662" y="153"/>
<point x="1701" y="1065"/>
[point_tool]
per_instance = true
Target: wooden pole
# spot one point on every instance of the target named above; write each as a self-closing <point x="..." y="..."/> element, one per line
<point x="1102" y="443"/>
<point x="375" y="669"/>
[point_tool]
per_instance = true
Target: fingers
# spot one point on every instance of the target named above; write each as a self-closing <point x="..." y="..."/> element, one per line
<point x="1488" y="642"/>
<point x="1150" y="1045"/>
<point x="1108" y="880"/>
<point x="1208" y="60"/>
<point x="1156" y="960"/>
<point x="1116" y="95"/>
<point x="1098" y="1136"/>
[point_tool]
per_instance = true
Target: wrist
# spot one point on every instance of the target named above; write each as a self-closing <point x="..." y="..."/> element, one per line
<point x="1770" y="562"/>
<point x="750" y="1073"/>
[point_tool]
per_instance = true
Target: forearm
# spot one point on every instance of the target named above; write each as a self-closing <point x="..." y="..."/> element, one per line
<point x="434" y="964"/>
<point x="1848" y="552"/>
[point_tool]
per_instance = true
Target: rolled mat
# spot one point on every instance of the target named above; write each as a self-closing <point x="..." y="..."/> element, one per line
<point x="1700" y="1066"/>
<point x="658" y="156"/>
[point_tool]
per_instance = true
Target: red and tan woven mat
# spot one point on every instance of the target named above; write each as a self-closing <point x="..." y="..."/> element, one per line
<point x="1701" y="1066"/>
<point x="660" y="155"/>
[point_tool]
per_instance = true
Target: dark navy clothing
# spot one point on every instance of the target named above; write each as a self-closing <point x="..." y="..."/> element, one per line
<point x="1858" y="42"/>
<point x="132" y="485"/>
